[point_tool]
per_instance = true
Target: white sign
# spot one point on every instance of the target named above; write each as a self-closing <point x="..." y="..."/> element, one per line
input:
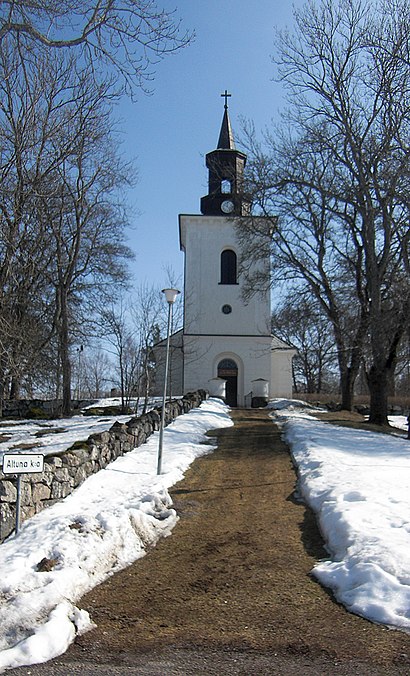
<point x="22" y="463"/>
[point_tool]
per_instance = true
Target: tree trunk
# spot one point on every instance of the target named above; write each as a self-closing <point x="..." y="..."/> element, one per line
<point x="377" y="379"/>
<point x="122" y="383"/>
<point x="146" y="381"/>
<point x="382" y="370"/>
<point x="15" y="388"/>
<point x="295" y="385"/>
<point x="347" y="381"/>
<point x="1" y="394"/>
<point x="319" y="378"/>
<point x="64" y="353"/>
<point x="57" y="393"/>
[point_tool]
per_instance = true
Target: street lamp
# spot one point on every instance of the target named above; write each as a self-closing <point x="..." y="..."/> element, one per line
<point x="170" y="296"/>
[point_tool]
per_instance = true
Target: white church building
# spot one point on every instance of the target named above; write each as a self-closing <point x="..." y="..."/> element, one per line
<point x="225" y="345"/>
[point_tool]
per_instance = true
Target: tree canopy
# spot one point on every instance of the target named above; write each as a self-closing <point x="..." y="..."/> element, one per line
<point x="334" y="179"/>
<point x="63" y="220"/>
<point x="125" y="37"/>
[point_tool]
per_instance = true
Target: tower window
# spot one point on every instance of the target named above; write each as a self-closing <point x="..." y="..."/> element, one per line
<point x="228" y="267"/>
<point x="226" y="186"/>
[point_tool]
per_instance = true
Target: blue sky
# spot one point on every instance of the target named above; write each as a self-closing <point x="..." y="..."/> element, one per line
<point x="169" y="132"/>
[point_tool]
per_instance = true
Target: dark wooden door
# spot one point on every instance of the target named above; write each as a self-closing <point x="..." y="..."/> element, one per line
<point x="228" y="370"/>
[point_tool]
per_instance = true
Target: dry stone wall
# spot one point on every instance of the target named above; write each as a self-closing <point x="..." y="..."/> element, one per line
<point x="65" y="471"/>
<point x="38" y="408"/>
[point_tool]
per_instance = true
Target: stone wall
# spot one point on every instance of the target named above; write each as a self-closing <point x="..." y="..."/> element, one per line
<point x="39" y="408"/>
<point x="65" y="471"/>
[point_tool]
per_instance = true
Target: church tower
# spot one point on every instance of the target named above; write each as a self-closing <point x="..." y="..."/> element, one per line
<point x="223" y="336"/>
<point x="225" y="181"/>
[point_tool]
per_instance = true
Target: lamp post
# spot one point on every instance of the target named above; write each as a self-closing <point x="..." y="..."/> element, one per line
<point x="170" y="296"/>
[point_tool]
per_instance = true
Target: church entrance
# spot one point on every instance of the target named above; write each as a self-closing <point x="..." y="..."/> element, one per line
<point x="228" y="370"/>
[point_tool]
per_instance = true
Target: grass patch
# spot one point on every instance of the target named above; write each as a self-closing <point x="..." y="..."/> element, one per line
<point x="77" y="445"/>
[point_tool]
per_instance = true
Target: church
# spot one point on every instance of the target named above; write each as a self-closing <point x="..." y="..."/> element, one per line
<point x="225" y="345"/>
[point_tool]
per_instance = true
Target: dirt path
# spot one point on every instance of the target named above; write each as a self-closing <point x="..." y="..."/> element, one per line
<point x="230" y="590"/>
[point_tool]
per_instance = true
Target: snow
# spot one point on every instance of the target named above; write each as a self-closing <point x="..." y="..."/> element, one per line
<point x="399" y="421"/>
<point x="357" y="482"/>
<point x="54" y="436"/>
<point x="98" y="530"/>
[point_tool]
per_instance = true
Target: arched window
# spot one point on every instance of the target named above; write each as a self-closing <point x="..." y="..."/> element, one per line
<point x="226" y="186"/>
<point x="228" y="267"/>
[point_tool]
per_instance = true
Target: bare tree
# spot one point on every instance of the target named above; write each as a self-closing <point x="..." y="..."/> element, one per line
<point x="124" y="36"/>
<point x="340" y="176"/>
<point x="61" y="215"/>
<point x="84" y="220"/>
<point x="147" y="313"/>
<point x="95" y="373"/>
<point x="24" y="250"/>
<point x="293" y="179"/>
<point x="299" y="321"/>
<point x="118" y="332"/>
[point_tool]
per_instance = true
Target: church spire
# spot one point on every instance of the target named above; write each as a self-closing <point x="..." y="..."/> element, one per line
<point x="225" y="175"/>
<point x="226" y="140"/>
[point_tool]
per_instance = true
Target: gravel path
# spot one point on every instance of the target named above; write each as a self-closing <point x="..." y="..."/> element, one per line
<point x="230" y="591"/>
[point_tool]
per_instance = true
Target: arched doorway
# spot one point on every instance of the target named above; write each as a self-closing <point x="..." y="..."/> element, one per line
<point x="228" y="370"/>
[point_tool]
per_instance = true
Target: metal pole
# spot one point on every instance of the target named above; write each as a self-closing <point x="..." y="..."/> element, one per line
<point x="18" y="503"/>
<point x="164" y="396"/>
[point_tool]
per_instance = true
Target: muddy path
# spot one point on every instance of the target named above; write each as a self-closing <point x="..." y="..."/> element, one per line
<point x="230" y="591"/>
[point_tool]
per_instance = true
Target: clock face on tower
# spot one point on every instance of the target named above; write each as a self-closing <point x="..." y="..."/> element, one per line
<point x="227" y="206"/>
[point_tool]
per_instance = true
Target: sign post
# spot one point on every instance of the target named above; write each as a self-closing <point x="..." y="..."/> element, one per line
<point x="21" y="463"/>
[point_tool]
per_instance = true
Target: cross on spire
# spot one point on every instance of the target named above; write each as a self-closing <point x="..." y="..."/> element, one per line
<point x="226" y="96"/>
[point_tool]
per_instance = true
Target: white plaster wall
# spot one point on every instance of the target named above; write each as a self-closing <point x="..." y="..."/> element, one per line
<point x="202" y="355"/>
<point x="281" y="384"/>
<point x="209" y="334"/>
<point x="203" y="238"/>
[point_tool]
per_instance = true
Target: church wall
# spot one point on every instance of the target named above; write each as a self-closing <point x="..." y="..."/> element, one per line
<point x="202" y="355"/>
<point x="203" y="239"/>
<point x="218" y="324"/>
<point x="281" y="385"/>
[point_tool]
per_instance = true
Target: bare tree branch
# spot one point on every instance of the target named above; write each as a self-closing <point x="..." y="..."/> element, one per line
<point x="125" y="36"/>
<point x="337" y="175"/>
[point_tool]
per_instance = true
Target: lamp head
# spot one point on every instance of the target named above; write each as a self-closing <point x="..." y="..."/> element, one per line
<point x="170" y="295"/>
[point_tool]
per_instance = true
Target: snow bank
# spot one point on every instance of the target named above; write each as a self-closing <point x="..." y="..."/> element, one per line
<point x="358" y="484"/>
<point x="105" y="525"/>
